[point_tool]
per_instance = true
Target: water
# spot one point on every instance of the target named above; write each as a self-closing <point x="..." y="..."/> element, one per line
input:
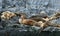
<point x="27" y="6"/>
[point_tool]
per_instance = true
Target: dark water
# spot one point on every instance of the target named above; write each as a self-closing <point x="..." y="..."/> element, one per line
<point x="9" y="27"/>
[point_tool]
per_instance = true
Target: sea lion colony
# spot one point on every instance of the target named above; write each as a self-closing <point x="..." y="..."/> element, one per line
<point x="37" y="20"/>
